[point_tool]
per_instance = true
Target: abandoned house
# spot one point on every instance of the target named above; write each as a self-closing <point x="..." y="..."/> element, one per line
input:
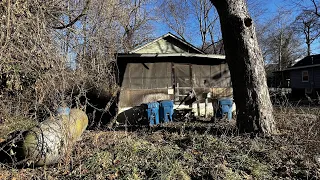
<point x="169" y="68"/>
<point x="304" y="76"/>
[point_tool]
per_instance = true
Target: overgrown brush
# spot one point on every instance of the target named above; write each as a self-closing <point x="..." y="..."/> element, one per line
<point x="43" y="66"/>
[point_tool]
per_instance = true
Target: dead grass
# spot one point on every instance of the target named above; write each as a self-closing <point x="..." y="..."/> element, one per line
<point x="192" y="150"/>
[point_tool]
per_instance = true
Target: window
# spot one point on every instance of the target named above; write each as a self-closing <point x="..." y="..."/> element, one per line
<point x="305" y="76"/>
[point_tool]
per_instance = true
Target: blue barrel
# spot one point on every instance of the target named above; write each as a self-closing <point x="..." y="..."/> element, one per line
<point x="165" y="111"/>
<point x="152" y="110"/>
<point x="225" y="107"/>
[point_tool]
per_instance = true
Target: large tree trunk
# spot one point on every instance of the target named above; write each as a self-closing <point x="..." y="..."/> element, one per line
<point x="245" y="61"/>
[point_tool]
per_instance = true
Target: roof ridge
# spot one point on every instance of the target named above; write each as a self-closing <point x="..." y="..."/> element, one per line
<point x="164" y="36"/>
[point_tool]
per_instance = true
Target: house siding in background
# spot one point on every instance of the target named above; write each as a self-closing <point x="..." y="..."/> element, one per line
<point x="310" y="86"/>
<point x="314" y="78"/>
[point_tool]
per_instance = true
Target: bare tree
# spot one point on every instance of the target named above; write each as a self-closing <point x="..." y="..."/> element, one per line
<point x="135" y="21"/>
<point x="175" y="14"/>
<point x="308" y="5"/>
<point x="29" y="53"/>
<point x="183" y="17"/>
<point x="257" y="9"/>
<point x="245" y="61"/>
<point x="280" y="44"/>
<point x="38" y="44"/>
<point x="206" y="21"/>
<point x="316" y="5"/>
<point x="308" y="24"/>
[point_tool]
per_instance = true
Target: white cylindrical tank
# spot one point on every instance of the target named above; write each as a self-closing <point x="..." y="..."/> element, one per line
<point x="48" y="142"/>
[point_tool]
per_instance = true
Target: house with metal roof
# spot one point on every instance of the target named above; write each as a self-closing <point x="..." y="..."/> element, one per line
<point x="168" y="68"/>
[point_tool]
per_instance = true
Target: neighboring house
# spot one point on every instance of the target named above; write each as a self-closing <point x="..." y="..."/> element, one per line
<point x="305" y="76"/>
<point x="273" y="79"/>
<point x="168" y="68"/>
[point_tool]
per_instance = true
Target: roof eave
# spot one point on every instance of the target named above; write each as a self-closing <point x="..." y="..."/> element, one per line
<point x="211" y="56"/>
<point x="301" y="67"/>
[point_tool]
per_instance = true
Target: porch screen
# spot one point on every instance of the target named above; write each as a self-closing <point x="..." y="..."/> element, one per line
<point x="182" y="73"/>
<point x="158" y="76"/>
<point x="147" y="76"/>
<point x="211" y="76"/>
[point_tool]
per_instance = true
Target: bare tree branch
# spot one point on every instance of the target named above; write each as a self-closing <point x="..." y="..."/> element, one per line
<point x="316" y="12"/>
<point x="83" y="13"/>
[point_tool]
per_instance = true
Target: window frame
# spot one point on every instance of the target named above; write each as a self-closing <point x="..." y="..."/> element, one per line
<point x="303" y="75"/>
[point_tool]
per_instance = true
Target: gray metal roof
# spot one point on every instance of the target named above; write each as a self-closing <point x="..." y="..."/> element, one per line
<point x="307" y="62"/>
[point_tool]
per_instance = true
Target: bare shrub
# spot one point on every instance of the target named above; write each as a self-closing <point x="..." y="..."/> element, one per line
<point x="43" y="65"/>
<point x="62" y="53"/>
<point x="300" y="125"/>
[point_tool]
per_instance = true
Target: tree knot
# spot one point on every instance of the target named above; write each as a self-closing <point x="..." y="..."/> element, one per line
<point x="247" y="22"/>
